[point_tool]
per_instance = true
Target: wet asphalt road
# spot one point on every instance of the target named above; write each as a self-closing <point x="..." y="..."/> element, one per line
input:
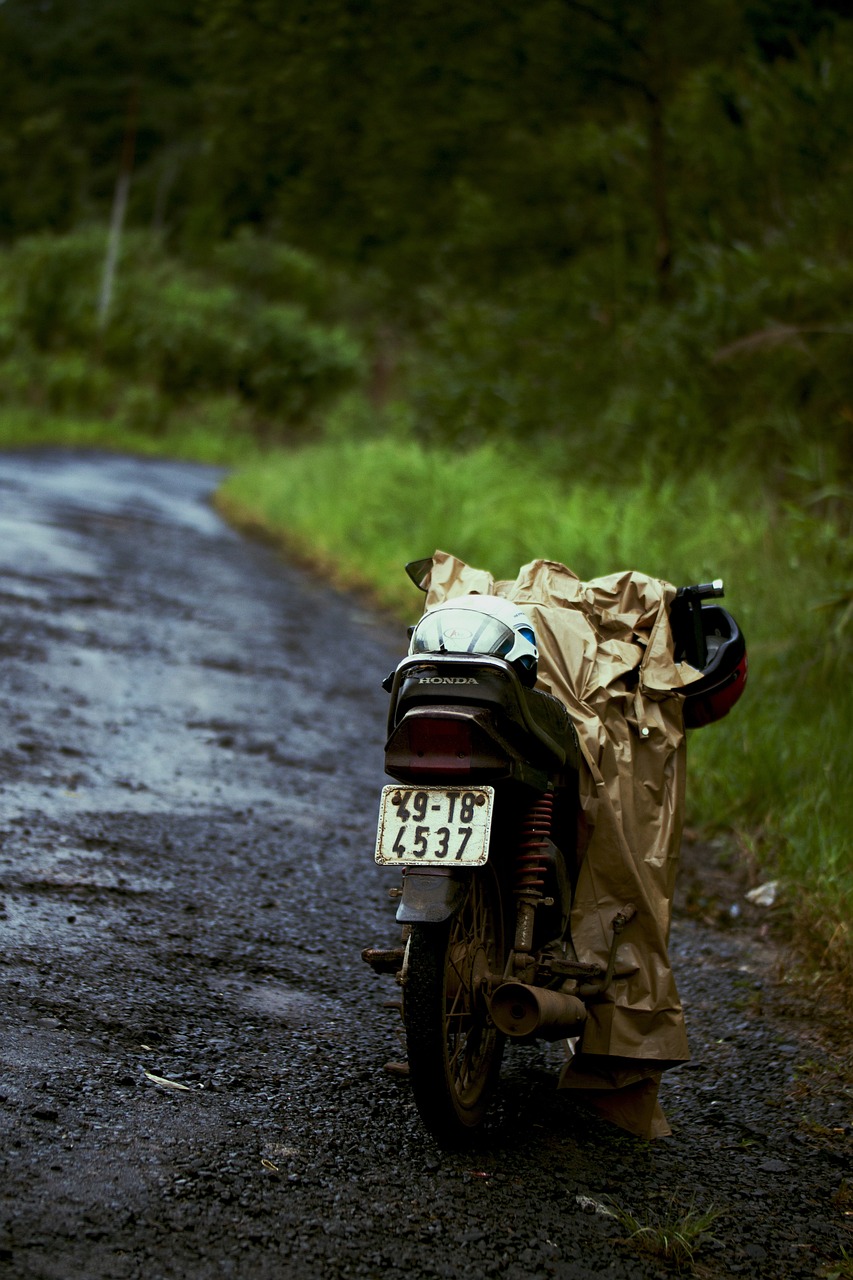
<point x="190" y="762"/>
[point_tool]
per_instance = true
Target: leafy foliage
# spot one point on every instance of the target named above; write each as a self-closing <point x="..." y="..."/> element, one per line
<point x="81" y="80"/>
<point x="749" y="360"/>
<point x="175" y="332"/>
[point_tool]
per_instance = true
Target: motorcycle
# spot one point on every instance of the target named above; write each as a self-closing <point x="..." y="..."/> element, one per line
<point x="483" y="820"/>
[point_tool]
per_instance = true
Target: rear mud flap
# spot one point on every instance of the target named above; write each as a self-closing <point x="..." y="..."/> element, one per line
<point x="429" y="897"/>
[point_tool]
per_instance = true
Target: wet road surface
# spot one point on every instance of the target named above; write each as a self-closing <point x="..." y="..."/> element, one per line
<point x="191" y="1049"/>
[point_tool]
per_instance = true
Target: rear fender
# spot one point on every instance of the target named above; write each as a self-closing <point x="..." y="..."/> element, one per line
<point x="432" y="895"/>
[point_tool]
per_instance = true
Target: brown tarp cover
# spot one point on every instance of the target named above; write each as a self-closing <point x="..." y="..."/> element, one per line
<point x="605" y="650"/>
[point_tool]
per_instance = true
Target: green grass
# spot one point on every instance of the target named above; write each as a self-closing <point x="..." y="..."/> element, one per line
<point x="774" y="771"/>
<point x="842" y="1269"/>
<point x="197" y="439"/>
<point x="673" y="1236"/>
<point x="369" y="506"/>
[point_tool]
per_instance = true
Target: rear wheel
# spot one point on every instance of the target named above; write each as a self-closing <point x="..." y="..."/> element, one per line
<point x="454" y="1049"/>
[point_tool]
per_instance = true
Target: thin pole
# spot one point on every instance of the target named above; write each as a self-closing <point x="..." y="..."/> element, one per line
<point x="119" y="208"/>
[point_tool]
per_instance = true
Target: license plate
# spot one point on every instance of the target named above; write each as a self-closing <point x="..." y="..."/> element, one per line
<point x="434" y="825"/>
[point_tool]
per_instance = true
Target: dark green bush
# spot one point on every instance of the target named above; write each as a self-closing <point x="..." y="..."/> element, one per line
<point x="296" y="365"/>
<point x="53" y="283"/>
<point x="752" y="361"/>
<point x="279" y="272"/>
<point x="176" y="330"/>
<point x="173" y="332"/>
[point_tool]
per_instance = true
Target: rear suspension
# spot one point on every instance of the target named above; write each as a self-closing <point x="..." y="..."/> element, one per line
<point x="531" y="867"/>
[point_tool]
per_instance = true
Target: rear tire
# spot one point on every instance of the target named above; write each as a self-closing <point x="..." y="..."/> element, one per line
<point x="454" y="1049"/>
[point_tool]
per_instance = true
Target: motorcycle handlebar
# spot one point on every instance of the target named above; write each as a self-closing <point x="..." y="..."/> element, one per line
<point x="702" y="591"/>
<point x="686" y="619"/>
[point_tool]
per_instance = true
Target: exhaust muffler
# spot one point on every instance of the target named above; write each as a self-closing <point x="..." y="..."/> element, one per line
<point x="532" y="1013"/>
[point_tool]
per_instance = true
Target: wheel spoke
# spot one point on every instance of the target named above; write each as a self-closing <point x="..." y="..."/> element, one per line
<point x="470" y="931"/>
<point x="454" y="1051"/>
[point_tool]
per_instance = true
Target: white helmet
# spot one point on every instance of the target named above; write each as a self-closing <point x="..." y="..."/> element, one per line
<point x="480" y="624"/>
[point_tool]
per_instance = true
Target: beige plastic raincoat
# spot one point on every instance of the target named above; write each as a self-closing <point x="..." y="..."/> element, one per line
<point x="605" y="650"/>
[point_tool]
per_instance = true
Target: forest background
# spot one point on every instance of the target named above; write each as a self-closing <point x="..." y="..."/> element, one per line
<point x="561" y="278"/>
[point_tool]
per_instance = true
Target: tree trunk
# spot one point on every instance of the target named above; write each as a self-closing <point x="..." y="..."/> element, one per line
<point x="659" y="177"/>
<point x="660" y="198"/>
<point x="119" y="209"/>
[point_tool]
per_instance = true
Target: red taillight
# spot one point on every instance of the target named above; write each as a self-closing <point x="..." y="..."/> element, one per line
<point x="439" y="746"/>
<point x="429" y="746"/>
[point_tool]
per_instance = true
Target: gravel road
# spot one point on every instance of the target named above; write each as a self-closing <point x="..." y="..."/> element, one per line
<point x="191" y="1048"/>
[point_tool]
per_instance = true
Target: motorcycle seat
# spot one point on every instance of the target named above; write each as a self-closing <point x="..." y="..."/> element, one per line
<point x="552" y="717"/>
<point x="440" y="680"/>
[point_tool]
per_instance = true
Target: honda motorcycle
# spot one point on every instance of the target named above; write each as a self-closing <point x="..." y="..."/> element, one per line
<point x="483" y="821"/>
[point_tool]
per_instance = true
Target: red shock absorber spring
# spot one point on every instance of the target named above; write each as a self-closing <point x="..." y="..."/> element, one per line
<point x="532" y="862"/>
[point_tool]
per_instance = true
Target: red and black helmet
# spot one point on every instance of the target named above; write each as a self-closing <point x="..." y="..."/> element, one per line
<point x="724" y="671"/>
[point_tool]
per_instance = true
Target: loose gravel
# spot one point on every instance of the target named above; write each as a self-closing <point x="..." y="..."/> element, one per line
<point x="191" y="1048"/>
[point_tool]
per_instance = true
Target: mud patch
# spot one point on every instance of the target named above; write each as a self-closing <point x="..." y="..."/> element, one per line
<point x="293" y="1006"/>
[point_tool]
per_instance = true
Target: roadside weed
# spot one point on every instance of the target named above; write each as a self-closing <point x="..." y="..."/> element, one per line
<point x="843" y="1198"/>
<point x="674" y="1236"/>
<point x="840" y="1269"/>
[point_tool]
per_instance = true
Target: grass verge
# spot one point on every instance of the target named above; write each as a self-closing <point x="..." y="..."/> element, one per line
<point x="775" y="771"/>
<point x="193" y="439"/>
